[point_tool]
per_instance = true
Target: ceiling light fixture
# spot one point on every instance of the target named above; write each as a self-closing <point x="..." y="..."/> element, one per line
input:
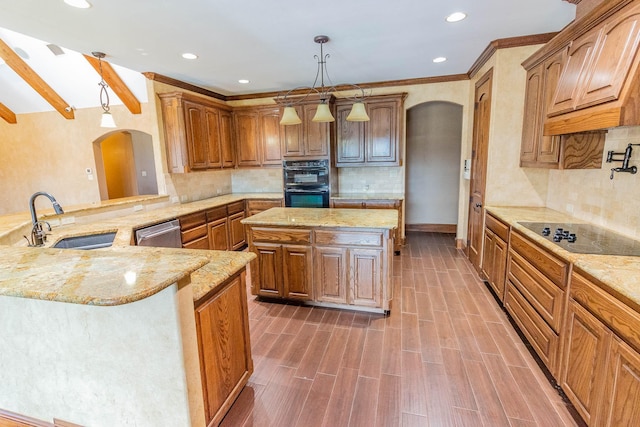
<point x="189" y="55"/>
<point x="456" y="17"/>
<point x="243" y="81"/>
<point x="107" y="119"/>
<point x="80" y="4"/>
<point x="323" y="114"/>
<point x="439" y="59"/>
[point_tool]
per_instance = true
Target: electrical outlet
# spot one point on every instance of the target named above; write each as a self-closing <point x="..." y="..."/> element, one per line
<point x="143" y="173"/>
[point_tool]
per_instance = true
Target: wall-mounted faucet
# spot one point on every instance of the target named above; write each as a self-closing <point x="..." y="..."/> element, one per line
<point x="625" y="161"/>
<point x="38" y="232"/>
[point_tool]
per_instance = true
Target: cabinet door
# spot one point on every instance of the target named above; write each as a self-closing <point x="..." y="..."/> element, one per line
<point x="270" y="137"/>
<point x="212" y="137"/>
<point x="236" y="231"/>
<point x="573" y="74"/>
<point x="247" y="134"/>
<point x="292" y="135"/>
<point x="586" y="346"/>
<point x="350" y="138"/>
<point x="218" y="235"/>
<point x="616" y="49"/>
<point x="487" y="255"/>
<point x="331" y="274"/>
<point x="196" y="139"/>
<point x="296" y="269"/>
<point x="622" y="387"/>
<point x="381" y="136"/>
<point x="365" y="271"/>
<point x="316" y="135"/>
<point x="499" y="267"/>
<point x="200" y="243"/>
<point x="269" y="270"/>
<point x="226" y="140"/>
<point x="532" y="111"/>
<point x="224" y="348"/>
<point x="548" y="147"/>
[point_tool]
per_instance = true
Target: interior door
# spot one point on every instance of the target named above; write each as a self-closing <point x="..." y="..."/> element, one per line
<point x="479" y="168"/>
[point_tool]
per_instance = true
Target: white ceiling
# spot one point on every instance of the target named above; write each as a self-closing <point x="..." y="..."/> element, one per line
<point x="268" y="42"/>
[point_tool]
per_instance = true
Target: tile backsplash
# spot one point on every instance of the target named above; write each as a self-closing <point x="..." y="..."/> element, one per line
<point x="189" y="187"/>
<point x="264" y="180"/>
<point x="590" y="195"/>
<point x="371" y="179"/>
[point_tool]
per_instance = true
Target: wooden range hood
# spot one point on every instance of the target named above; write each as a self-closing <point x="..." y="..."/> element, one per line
<point x="599" y="86"/>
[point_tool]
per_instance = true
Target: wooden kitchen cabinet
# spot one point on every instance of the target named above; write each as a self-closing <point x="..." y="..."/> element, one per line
<point x="373" y="143"/>
<point x="258" y="139"/>
<point x="601" y="364"/>
<point x="331" y="273"/>
<point x="535" y="297"/>
<point x="494" y="254"/>
<point x="308" y="139"/>
<point x="237" y="237"/>
<point x="226" y="232"/>
<point x="197" y="133"/>
<point x="222" y="327"/>
<point x="296" y="269"/>
<point x="365" y="277"/>
<point x="255" y="206"/>
<point x="193" y="231"/>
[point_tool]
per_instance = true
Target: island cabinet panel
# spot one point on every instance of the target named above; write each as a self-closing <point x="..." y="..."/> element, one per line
<point x="269" y="270"/>
<point x="331" y="273"/>
<point x="296" y="268"/>
<point x="222" y="328"/>
<point x="365" y="278"/>
<point x="601" y="363"/>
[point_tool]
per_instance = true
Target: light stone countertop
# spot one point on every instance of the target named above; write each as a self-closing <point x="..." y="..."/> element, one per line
<point x="326" y="217"/>
<point x="369" y="196"/>
<point x="620" y="273"/>
<point x="98" y="276"/>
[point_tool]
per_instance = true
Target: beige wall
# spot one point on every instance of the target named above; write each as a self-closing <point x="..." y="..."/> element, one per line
<point x="46" y="152"/>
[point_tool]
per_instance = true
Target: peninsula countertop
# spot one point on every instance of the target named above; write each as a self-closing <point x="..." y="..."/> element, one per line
<point x="326" y="217"/>
<point x="121" y="273"/>
<point x="620" y="273"/>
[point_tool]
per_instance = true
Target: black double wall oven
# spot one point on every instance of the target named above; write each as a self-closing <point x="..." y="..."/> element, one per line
<point x="306" y="183"/>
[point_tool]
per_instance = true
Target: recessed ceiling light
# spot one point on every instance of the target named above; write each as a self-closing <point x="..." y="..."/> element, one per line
<point x="189" y="56"/>
<point x="439" y="59"/>
<point x="243" y="81"/>
<point x="456" y="16"/>
<point x="80" y="4"/>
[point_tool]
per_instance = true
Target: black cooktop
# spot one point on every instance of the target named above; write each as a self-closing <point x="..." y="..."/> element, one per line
<point x="589" y="239"/>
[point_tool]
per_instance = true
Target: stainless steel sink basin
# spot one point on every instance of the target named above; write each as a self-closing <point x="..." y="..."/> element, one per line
<point x="91" y="241"/>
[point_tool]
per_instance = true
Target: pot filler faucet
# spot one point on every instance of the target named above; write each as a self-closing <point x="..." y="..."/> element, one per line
<point x="38" y="232"/>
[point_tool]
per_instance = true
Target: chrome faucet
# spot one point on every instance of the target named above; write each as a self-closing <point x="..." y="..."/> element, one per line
<point x="38" y="232"/>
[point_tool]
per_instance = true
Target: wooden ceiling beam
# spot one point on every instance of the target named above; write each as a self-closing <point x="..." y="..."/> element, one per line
<point x="32" y="78"/>
<point x="8" y="115"/>
<point x="116" y="84"/>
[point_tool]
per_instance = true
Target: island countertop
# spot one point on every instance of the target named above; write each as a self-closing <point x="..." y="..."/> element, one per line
<point x="326" y="217"/>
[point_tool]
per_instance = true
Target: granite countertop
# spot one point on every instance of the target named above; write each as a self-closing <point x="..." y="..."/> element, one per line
<point x="369" y="196"/>
<point x="620" y="273"/>
<point x="326" y="217"/>
<point x="98" y="276"/>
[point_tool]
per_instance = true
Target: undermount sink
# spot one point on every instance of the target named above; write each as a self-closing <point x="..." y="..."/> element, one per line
<point x="91" y="241"/>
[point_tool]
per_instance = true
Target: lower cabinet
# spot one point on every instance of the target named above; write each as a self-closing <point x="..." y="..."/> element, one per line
<point x="494" y="254"/>
<point x="193" y="231"/>
<point x="601" y="363"/>
<point x="255" y="206"/>
<point x="222" y="327"/>
<point x="284" y="271"/>
<point x="218" y="228"/>
<point x="331" y="274"/>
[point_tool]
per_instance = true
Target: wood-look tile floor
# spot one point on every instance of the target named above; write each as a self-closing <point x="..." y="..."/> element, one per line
<point x="445" y="356"/>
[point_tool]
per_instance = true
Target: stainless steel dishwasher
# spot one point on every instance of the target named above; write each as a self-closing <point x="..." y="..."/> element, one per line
<point x="163" y="235"/>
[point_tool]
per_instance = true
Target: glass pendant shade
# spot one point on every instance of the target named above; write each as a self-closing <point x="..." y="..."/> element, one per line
<point x="358" y="113"/>
<point x="323" y="114"/>
<point x="107" y="120"/>
<point x="290" y="117"/>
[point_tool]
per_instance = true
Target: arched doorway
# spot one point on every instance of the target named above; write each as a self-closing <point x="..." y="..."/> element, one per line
<point x="434" y="144"/>
<point x="125" y="165"/>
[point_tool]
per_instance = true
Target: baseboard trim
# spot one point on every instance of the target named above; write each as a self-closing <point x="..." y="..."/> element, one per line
<point x="432" y="228"/>
<point x="461" y="244"/>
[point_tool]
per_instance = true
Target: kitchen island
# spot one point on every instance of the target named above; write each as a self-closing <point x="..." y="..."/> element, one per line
<point x="330" y="257"/>
<point x="124" y="335"/>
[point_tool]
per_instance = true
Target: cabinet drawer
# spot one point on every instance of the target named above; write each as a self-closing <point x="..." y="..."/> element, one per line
<point x="281" y="235"/>
<point x="348" y="238"/>
<point x="542" y="294"/>
<point x="201" y="243"/>
<point x="235" y="207"/>
<point x="616" y="315"/>
<point x="499" y="228"/>
<point x="555" y="269"/>
<point x="193" y="234"/>
<point x="381" y="204"/>
<point x="539" y="334"/>
<point x="263" y="205"/>
<point x="192" y="220"/>
<point x="216" y="213"/>
<point x="347" y="204"/>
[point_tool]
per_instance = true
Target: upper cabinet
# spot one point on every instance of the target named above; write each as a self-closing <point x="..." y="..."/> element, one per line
<point x="599" y="80"/>
<point x="197" y="133"/>
<point x="373" y="143"/>
<point x="258" y="137"/>
<point x="308" y="139"/>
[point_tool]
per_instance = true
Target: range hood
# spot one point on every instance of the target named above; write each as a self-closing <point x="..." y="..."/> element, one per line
<point x="599" y="86"/>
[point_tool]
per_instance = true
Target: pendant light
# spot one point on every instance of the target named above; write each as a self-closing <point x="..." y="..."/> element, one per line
<point x="323" y="112"/>
<point x="107" y="119"/>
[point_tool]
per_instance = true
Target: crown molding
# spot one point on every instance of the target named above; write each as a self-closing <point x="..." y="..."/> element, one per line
<point x="183" y="85"/>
